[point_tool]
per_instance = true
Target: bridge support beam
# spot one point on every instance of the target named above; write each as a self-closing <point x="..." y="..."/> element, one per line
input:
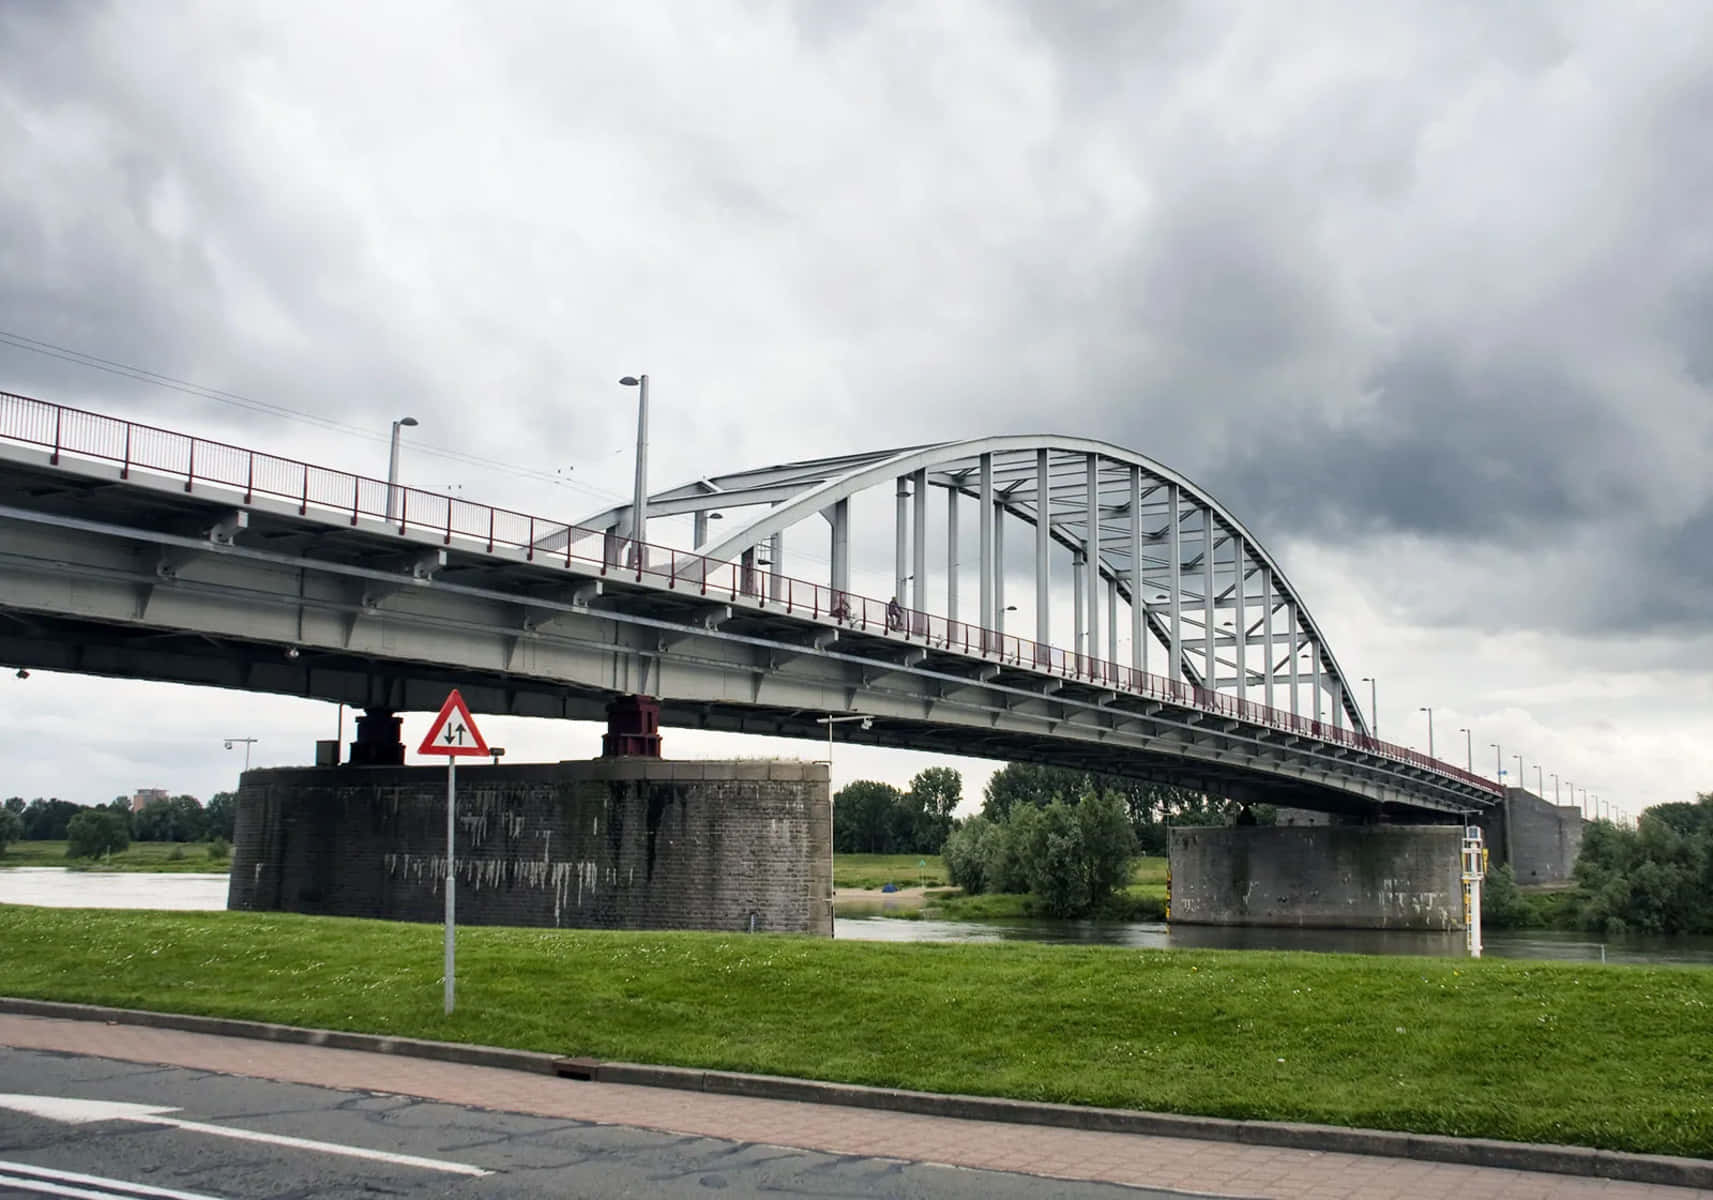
<point x="633" y="728"/>
<point x="952" y="554"/>
<point x="986" y="470"/>
<point x="1175" y="582"/>
<point x="1138" y="606"/>
<point x="839" y="518"/>
<point x="1043" y="544"/>
<point x="901" y="536"/>
<point x="1091" y="554"/>
<point x="919" y="540"/>
<point x="378" y="743"/>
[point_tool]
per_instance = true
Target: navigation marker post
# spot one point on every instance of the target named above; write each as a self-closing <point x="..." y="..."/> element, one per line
<point x="453" y="734"/>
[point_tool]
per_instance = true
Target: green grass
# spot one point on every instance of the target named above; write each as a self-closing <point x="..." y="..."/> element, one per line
<point x="1615" y="1056"/>
<point x="142" y="856"/>
<point x="878" y="870"/>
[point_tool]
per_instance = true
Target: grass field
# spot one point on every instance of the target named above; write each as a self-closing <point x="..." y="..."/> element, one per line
<point x="1603" y="1056"/>
<point x="878" y="870"/>
<point x="1143" y="900"/>
<point x="142" y="856"/>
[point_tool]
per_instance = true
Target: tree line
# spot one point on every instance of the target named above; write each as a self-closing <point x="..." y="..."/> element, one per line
<point x="93" y="831"/>
<point x="1655" y="878"/>
<point x="870" y="817"/>
<point x="1067" y="836"/>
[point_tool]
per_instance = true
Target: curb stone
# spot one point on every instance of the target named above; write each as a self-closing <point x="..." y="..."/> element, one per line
<point x="1475" y="1152"/>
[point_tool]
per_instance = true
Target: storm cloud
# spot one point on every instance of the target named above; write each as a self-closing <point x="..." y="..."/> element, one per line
<point x="1421" y="292"/>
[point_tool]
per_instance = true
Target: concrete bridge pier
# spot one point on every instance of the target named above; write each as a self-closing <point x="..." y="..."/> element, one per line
<point x="1318" y="876"/>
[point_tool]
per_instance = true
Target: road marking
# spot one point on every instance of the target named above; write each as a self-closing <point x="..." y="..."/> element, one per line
<point x="49" y="1182"/>
<point x="73" y="1111"/>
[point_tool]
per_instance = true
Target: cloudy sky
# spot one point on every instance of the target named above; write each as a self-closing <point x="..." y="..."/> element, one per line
<point x="1422" y="293"/>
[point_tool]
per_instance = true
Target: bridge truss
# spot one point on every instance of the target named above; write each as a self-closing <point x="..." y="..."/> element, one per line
<point x="1199" y="600"/>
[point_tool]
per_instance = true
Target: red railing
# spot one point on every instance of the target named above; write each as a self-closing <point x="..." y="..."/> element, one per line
<point x="249" y="473"/>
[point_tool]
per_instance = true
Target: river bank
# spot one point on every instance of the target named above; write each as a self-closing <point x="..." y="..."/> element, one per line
<point x="162" y="857"/>
<point x="1615" y="1057"/>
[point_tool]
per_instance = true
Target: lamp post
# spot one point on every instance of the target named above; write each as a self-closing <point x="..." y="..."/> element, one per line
<point x="639" y="506"/>
<point x="393" y="465"/>
<point x="1540" y="782"/>
<point x="1429" y="711"/>
<point x="1468" y="750"/>
<point x="1520" y="782"/>
<point x="829" y="721"/>
<point x="1555" y="789"/>
<point x="248" y="742"/>
<point x="1373" y="704"/>
<point x="1498" y="764"/>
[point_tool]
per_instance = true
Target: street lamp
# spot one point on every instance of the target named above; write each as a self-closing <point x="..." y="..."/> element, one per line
<point x="830" y="721"/>
<point x="1429" y="712"/>
<point x="248" y="742"/>
<point x="639" y="506"/>
<point x="1520" y="782"/>
<point x="393" y="465"/>
<point x="1555" y="789"/>
<point x="1498" y="764"/>
<point x="1373" y="704"/>
<point x="1468" y="750"/>
<point x="1540" y="783"/>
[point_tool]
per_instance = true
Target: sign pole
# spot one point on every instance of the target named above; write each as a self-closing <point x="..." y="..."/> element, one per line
<point x="453" y="734"/>
<point x="451" y="876"/>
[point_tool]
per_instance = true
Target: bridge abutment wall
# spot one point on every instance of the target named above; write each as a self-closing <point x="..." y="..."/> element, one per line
<point x="1543" y="838"/>
<point x="608" y="843"/>
<point x="1318" y="876"/>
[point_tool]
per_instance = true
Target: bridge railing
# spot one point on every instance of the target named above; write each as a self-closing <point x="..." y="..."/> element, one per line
<point x="245" y="473"/>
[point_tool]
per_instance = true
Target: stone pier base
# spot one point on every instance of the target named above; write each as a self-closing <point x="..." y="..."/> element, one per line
<point x="1325" y="876"/>
<point x="609" y="843"/>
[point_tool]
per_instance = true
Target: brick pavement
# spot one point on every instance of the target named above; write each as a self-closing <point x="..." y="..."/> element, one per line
<point x="1194" y="1166"/>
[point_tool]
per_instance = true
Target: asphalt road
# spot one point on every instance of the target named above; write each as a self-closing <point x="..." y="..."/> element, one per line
<point x="186" y="1148"/>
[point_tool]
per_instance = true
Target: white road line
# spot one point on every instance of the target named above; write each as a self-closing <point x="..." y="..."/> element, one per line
<point x="280" y="1139"/>
<point x="132" y="1189"/>
<point x="45" y="1188"/>
<point x="84" y="1112"/>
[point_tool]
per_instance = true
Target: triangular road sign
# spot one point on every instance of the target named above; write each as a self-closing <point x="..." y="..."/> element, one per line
<point x="454" y="733"/>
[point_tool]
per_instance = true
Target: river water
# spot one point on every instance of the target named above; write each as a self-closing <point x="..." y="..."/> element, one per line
<point x="56" y="887"/>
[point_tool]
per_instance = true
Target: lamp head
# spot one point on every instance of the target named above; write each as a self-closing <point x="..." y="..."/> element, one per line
<point x="228" y="745"/>
<point x="407" y="421"/>
<point x="629" y="381"/>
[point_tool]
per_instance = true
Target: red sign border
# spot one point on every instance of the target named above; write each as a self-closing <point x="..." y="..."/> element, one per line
<point x="454" y="706"/>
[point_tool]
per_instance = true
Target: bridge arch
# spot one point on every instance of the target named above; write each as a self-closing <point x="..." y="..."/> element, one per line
<point x="1149" y="549"/>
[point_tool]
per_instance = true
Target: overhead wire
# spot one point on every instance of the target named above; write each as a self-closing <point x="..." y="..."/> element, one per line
<point x="143" y="375"/>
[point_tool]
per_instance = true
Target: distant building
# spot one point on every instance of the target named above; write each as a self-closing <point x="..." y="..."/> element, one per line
<point x="146" y="796"/>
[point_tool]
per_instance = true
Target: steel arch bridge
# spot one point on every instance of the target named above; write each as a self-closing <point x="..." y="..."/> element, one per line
<point x="139" y="552"/>
<point x="1150" y="553"/>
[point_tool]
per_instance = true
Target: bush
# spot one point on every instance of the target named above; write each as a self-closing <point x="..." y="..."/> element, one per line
<point x="11" y="829"/>
<point x="1074" y="858"/>
<point x="219" y="849"/>
<point x="96" y="833"/>
<point x="1502" y="905"/>
<point x="965" y="855"/>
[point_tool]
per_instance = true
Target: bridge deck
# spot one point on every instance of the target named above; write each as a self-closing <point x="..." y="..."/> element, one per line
<point x="129" y="557"/>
